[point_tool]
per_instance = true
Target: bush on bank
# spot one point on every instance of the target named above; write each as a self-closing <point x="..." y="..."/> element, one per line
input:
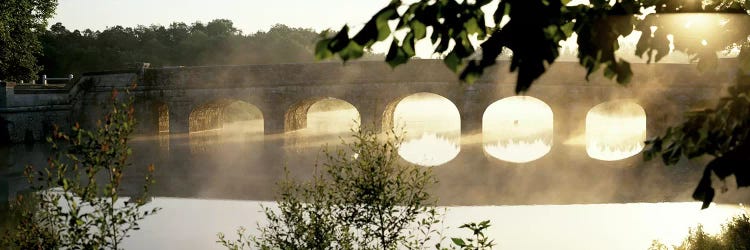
<point x="734" y="235"/>
<point x="362" y="197"/>
<point x="75" y="201"/>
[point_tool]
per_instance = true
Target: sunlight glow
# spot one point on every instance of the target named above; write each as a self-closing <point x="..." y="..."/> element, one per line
<point x="433" y="129"/>
<point x="225" y="123"/>
<point x="517" y="129"/>
<point x="429" y="150"/>
<point x="328" y="121"/>
<point x="615" y="130"/>
<point x="332" y="116"/>
<point x="163" y="118"/>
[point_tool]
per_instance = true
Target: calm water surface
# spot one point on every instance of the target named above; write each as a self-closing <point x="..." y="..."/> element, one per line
<point x="215" y="181"/>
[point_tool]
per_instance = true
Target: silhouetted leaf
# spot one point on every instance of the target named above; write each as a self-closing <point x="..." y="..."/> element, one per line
<point x="704" y="192"/>
<point x="452" y="61"/>
<point x="396" y="55"/>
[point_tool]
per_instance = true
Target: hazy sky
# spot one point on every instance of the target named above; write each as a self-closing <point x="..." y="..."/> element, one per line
<point x="248" y="15"/>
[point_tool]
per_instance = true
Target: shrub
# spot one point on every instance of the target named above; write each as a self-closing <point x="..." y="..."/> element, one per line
<point x="73" y="210"/>
<point x="362" y="197"/>
<point x="735" y="235"/>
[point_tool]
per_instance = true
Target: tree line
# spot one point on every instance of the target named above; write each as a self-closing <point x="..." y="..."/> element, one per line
<point x="217" y="42"/>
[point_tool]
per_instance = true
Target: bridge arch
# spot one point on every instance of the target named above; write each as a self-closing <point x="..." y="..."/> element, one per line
<point x="615" y="130"/>
<point x="432" y="126"/>
<point x="518" y="129"/>
<point x="215" y="114"/>
<point x="160" y="116"/>
<point x="298" y="114"/>
<point x="152" y="115"/>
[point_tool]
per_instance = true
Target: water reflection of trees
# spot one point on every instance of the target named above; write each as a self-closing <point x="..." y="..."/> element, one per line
<point x="615" y="130"/>
<point x="517" y="129"/>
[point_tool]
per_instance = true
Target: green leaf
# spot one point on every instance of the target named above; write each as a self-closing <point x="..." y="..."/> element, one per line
<point x="408" y="45"/>
<point x="459" y="242"/>
<point x="381" y="22"/>
<point x="418" y="29"/>
<point x="567" y="29"/>
<point x="351" y="51"/>
<point x="452" y="61"/>
<point x="396" y="55"/>
<point x="472" y="27"/>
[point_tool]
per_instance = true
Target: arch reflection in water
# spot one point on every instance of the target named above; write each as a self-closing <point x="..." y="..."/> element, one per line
<point x="433" y="129"/>
<point x="615" y="130"/>
<point x="224" y="121"/>
<point x="517" y="129"/>
<point x="161" y="111"/>
<point x="332" y="116"/>
<point x="326" y="122"/>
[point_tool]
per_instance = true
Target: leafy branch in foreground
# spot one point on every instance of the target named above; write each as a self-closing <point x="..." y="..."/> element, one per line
<point x="479" y="241"/>
<point x="80" y="212"/>
<point x="721" y="132"/>
<point x="533" y="29"/>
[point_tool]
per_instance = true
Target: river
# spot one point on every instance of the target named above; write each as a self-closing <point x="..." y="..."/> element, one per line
<point x="215" y="181"/>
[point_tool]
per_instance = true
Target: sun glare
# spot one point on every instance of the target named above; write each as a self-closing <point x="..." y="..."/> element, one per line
<point x="433" y="129"/>
<point x="615" y="130"/>
<point x="332" y="116"/>
<point x="517" y="129"/>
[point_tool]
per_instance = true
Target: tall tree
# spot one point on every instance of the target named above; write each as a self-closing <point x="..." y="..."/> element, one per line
<point x="470" y="40"/>
<point x="20" y="23"/>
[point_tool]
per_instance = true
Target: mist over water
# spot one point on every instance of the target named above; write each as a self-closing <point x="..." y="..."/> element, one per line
<point x="214" y="180"/>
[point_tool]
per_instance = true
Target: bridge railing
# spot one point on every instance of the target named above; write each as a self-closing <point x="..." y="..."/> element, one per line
<point x="47" y="80"/>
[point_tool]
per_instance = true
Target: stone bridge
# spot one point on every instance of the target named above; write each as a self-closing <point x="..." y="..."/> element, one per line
<point x="166" y="97"/>
<point x="284" y="92"/>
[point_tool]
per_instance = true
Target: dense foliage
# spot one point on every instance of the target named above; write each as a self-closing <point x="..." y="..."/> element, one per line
<point x="216" y="43"/>
<point x="77" y="195"/>
<point x="721" y="132"/>
<point x="735" y="235"/>
<point x="20" y="23"/>
<point x="531" y="32"/>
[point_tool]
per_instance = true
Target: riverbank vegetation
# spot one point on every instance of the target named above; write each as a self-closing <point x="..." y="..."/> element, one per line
<point x="734" y="235"/>
<point x="75" y="200"/>
<point x="362" y="196"/>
